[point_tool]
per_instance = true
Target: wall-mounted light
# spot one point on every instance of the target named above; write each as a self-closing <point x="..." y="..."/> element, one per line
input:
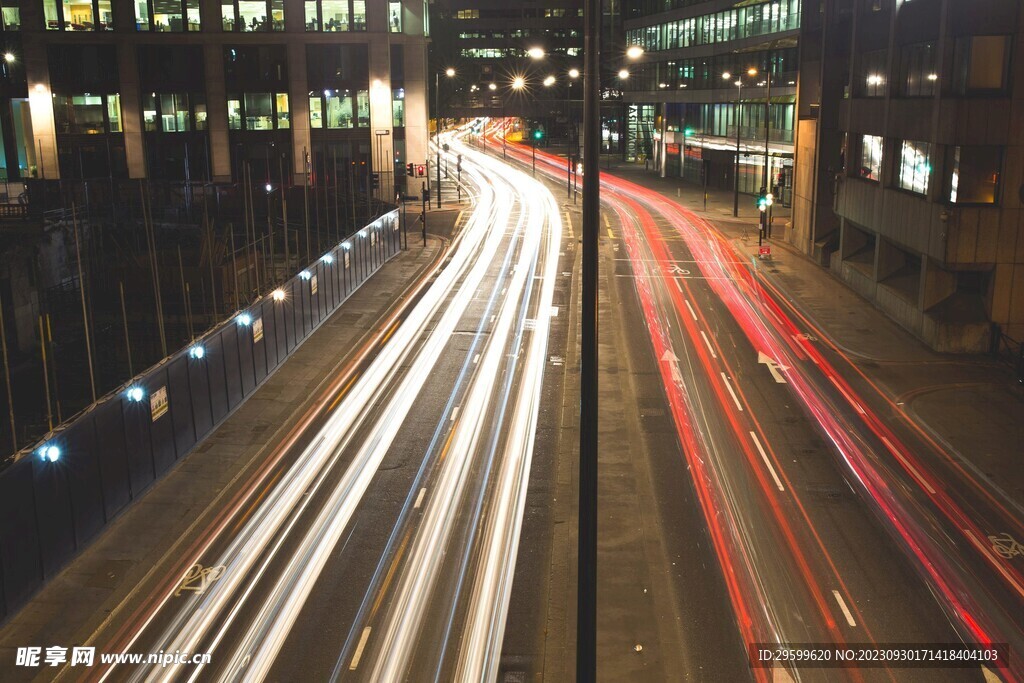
<point x="244" y="319"/>
<point x="277" y="294"/>
<point x="327" y="258"/>
<point x="49" y="452"/>
<point x="135" y="394"/>
<point x="197" y="352"/>
<point x="305" y="275"/>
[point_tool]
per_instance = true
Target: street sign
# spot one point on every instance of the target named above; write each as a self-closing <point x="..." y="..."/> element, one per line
<point x="382" y="132"/>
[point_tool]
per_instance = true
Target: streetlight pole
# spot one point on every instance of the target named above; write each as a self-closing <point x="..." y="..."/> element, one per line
<point x="736" y="174"/>
<point x="586" y="597"/>
<point x="437" y="131"/>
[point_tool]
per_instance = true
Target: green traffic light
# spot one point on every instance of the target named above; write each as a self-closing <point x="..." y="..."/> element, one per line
<point x="537" y="134"/>
<point x="689" y="131"/>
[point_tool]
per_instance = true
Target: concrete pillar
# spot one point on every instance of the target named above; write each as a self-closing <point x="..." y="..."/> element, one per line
<point x="40" y="101"/>
<point x="131" y="107"/>
<point x="937" y="284"/>
<point x="217" y="113"/>
<point x="381" y="132"/>
<point x="416" y="110"/>
<point x="298" y="101"/>
<point x="888" y="259"/>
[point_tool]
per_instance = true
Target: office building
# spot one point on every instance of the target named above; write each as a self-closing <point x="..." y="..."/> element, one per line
<point x="911" y="162"/>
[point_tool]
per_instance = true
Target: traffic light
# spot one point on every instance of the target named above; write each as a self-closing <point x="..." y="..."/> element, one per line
<point x="538" y="134"/>
<point x="421" y="170"/>
<point x="688" y="132"/>
<point x="409" y="168"/>
<point x="764" y="200"/>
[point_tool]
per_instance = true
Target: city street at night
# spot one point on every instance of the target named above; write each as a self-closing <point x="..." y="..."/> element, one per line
<point x="472" y="341"/>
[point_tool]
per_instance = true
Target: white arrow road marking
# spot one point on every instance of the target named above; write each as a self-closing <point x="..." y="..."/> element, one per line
<point x="673" y="360"/>
<point x="774" y="367"/>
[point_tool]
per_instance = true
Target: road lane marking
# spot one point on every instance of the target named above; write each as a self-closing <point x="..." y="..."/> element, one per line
<point x="731" y="392"/>
<point x="913" y="470"/>
<point x="768" y="464"/>
<point x="679" y="285"/>
<point x="419" y="498"/>
<point x="607" y="223"/>
<point x="994" y="561"/>
<point x="692" y="313"/>
<point x="611" y="235"/>
<point x="708" y="343"/>
<point x="455" y="412"/>
<point x="846" y="610"/>
<point x="476" y="359"/>
<point x="774" y="367"/>
<point x="846" y="395"/>
<point x="359" y="649"/>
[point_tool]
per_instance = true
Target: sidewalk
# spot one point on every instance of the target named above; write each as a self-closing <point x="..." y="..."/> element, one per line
<point x="970" y="403"/>
<point x="104" y="580"/>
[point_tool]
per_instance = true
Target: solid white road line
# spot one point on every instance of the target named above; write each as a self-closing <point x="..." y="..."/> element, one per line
<point x="455" y="412"/>
<point x="732" y="393"/>
<point x="476" y="359"/>
<point x="708" y="343"/>
<point x="679" y="285"/>
<point x="768" y="464"/>
<point x="846" y="610"/>
<point x="419" y="498"/>
<point x="359" y="649"/>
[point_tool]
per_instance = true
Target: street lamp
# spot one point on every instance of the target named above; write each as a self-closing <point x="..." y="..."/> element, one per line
<point x="9" y="57"/>
<point x="450" y="73"/>
<point x="736" y="175"/>
<point x="518" y="83"/>
<point x="634" y="52"/>
<point x="573" y="150"/>
<point x="535" y="52"/>
<point x="623" y="74"/>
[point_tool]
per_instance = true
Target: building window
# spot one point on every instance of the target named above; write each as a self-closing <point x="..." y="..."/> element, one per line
<point x="341" y="15"/>
<point x="339" y="109"/>
<point x="252" y="15"/>
<point x="259" y="111"/>
<point x="398" y="107"/>
<point x="173" y="112"/>
<point x="980" y="64"/>
<point x="395" y="17"/>
<point x="975" y="178"/>
<point x="919" y="75"/>
<point x="11" y="15"/>
<point x="871" y="82"/>
<point x="167" y="15"/>
<point x="87" y="114"/>
<point x="467" y="14"/>
<point x="914" y="166"/>
<point x="870" y="162"/>
<point x="78" y="15"/>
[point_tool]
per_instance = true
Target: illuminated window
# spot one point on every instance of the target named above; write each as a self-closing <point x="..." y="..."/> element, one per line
<point x="873" y="68"/>
<point x="167" y="15"/>
<point x="914" y="166"/>
<point x="395" y="17"/>
<point x="339" y="109"/>
<point x="975" y="177"/>
<point x="316" y="115"/>
<point x="919" y="70"/>
<point x="77" y="15"/>
<point x="252" y="15"/>
<point x="258" y="111"/>
<point x="345" y="15"/>
<point x="398" y="107"/>
<point x="467" y="14"/>
<point x="11" y="15"/>
<point x="358" y="15"/>
<point x="870" y="166"/>
<point x="87" y="114"/>
<point x="980" y="64"/>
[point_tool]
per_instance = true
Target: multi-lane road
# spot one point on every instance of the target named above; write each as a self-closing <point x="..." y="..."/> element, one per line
<point x="833" y="517"/>
<point x="381" y="540"/>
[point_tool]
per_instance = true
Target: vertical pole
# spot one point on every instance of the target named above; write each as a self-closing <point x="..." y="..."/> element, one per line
<point x="437" y="132"/>
<point x="184" y="293"/>
<point x="127" y="339"/>
<point x="586" y="599"/>
<point x="305" y="199"/>
<point x="53" y="362"/>
<point x="154" y="271"/>
<point x="765" y="184"/>
<point x="7" y="381"/>
<point x="284" y="217"/>
<point x="85" y="315"/>
<point x="209" y="256"/>
<point x="736" y="174"/>
<point x="234" y="264"/>
<point x="46" y="376"/>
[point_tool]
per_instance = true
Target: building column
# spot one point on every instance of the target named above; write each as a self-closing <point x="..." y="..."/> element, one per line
<point x="217" y="113"/>
<point x="298" y="102"/>
<point x="131" y="106"/>
<point x="417" y="115"/>
<point x="40" y="101"/>
<point x="380" y="104"/>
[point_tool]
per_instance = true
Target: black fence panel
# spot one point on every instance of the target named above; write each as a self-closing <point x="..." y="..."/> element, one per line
<point x="137" y="444"/>
<point x="216" y="375"/>
<point x="246" y="369"/>
<point x="156" y="404"/>
<point x="114" y="470"/>
<point x="259" y="343"/>
<point x="200" y="391"/>
<point x="180" y="395"/>
<point x="232" y="374"/>
<point x="21" y="566"/>
<point x="53" y="513"/>
<point x="60" y="494"/>
<point x="81" y="467"/>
